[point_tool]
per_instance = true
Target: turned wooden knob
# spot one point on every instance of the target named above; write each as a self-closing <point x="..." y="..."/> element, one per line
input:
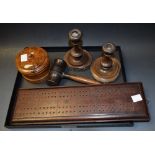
<point x="109" y="48"/>
<point x="75" y="37"/>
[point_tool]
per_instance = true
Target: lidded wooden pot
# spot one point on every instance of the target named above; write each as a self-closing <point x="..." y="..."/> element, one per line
<point x="34" y="64"/>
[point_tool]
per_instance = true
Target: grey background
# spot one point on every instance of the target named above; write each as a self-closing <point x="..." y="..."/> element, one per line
<point x="137" y="42"/>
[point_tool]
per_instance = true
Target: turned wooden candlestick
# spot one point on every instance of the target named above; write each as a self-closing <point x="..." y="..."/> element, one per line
<point x="106" y="68"/>
<point x="77" y="57"/>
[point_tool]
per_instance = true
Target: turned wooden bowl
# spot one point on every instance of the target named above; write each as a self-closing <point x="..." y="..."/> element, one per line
<point x="34" y="64"/>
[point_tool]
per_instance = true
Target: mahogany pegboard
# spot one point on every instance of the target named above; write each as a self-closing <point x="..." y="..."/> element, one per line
<point x="102" y="103"/>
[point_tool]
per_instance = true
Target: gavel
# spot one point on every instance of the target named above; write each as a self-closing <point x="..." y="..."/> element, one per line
<point x="57" y="73"/>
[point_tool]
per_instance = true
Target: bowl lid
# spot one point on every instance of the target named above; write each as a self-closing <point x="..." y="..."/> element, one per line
<point x="31" y="60"/>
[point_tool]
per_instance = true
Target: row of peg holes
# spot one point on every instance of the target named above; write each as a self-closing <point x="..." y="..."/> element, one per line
<point x="65" y="112"/>
<point x="49" y="93"/>
<point x="78" y="91"/>
<point x="82" y="106"/>
<point x="62" y="96"/>
<point x="59" y="112"/>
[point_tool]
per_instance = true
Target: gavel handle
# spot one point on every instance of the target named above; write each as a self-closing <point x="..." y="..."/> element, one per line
<point x="80" y="79"/>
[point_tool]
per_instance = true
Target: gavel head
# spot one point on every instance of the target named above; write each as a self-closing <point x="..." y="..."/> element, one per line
<point x="56" y="72"/>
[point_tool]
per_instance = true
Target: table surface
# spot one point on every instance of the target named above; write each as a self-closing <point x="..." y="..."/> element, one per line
<point x="137" y="42"/>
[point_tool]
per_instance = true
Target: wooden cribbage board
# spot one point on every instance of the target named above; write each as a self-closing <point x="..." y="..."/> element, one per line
<point x="80" y="104"/>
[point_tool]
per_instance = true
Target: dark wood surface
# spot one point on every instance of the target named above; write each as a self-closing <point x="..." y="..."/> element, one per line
<point x="80" y="104"/>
